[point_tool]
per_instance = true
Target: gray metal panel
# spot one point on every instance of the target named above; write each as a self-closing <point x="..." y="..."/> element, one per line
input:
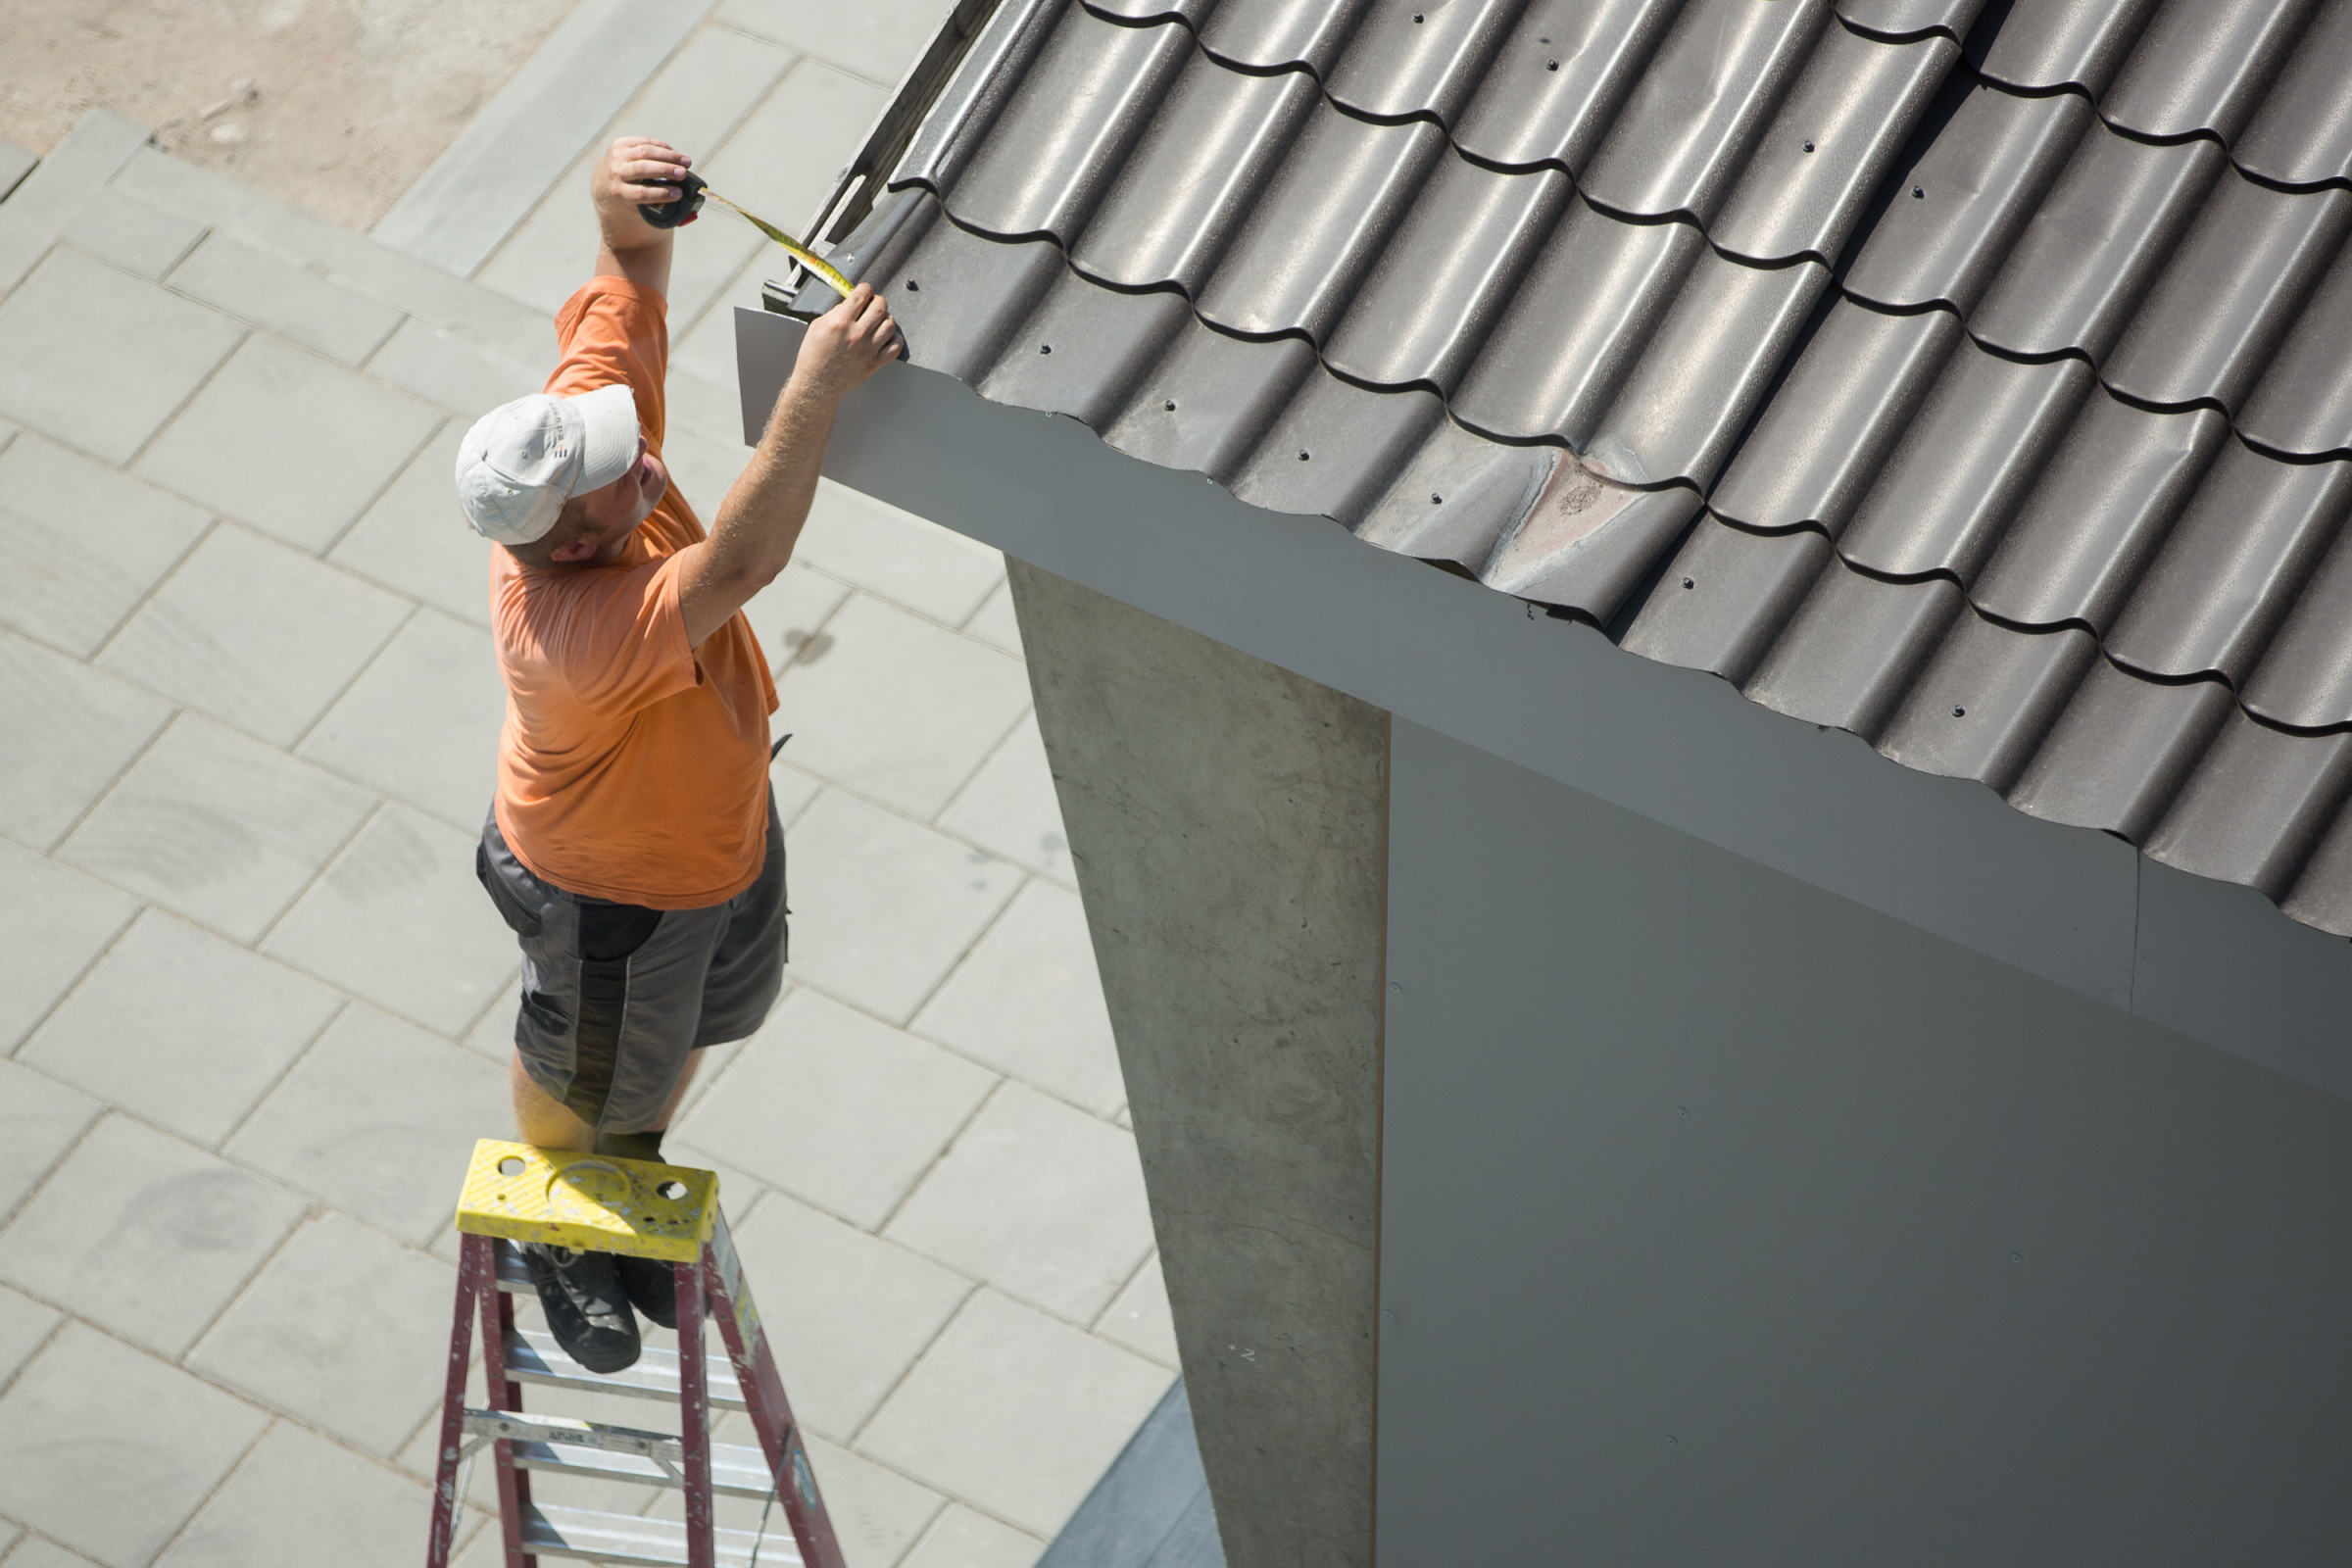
<point x="1851" y="648"/>
<point x="1320" y="223"/>
<point x="2321" y="895"/>
<point x="1457" y="496"/>
<point x="1714" y="84"/>
<point x="1811" y="172"/>
<point x="1084" y="349"/>
<point x="1951" y="216"/>
<point x="1265" y="34"/>
<point x="1820" y="442"/>
<point x="1335" y="447"/>
<point x="1595" y="295"/>
<point x="2302" y="134"/>
<point x="1704" y="371"/>
<point x="2226" y="299"/>
<point x="1174" y="205"/>
<point x="2078" y="272"/>
<point x="2256" y="806"/>
<point x="1557" y="82"/>
<point x="2204" y="65"/>
<point x="1983" y="705"/>
<point x="1966" y="464"/>
<point x="2303" y="403"/>
<point x="1726" y="597"/>
<point x="2120" y="751"/>
<point x="2055" y="43"/>
<point x="1207" y="404"/>
<point x="2305" y="676"/>
<point x="1420" y="59"/>
<point x="2232" y="566"/>
<point x="960" y="296"/>
<point x="1446" y="274"/>
<point x="1080" y="108"/>
<point x="1585" y="543"/>
<point x="2101" y="512"/>
<point x="1897" y="18"/>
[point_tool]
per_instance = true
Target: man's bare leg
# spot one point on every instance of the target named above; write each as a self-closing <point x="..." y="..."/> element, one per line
<point x="546" y="1122"/>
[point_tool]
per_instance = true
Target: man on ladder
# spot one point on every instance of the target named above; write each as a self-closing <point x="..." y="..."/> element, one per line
<point x="633" y="844"/>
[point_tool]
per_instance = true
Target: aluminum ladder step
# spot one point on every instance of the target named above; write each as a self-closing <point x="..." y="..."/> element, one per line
<point x="532" y="1356"/>
<point x="562" y="1445"/>
<point x="624" y="1538"/>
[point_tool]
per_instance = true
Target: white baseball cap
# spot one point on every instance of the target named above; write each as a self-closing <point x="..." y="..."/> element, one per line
<point x="523" y="460"/>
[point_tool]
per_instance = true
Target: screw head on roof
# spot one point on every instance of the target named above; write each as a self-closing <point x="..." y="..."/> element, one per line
<point x="1171" y="405"/>
<point x="1551" y="65"/>
<point x="1045" y="348"/>
<point x="1416" y="16"/>
<point x="1809" y="146"/>
<point x="1302" y="456"/>
<point x="1918" y="190"/>
<point x="1689" y="584"/>
<point x="912" y="287"/>
<point x="1959" y="713"/>
<point x="1436" y="500"/>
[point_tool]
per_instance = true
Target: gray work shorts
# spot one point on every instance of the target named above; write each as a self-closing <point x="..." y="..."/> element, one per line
<point x="615" y="995"/>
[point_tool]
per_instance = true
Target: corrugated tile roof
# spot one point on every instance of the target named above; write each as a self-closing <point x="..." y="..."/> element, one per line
<point x="1970" y="377"/>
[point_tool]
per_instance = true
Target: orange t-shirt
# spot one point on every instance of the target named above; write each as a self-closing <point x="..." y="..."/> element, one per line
<point x="632" y="766"/>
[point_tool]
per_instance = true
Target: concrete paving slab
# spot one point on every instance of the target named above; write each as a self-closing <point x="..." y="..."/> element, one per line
<point x="846" y="1313"/>
<point x="1029" y="1004"/>
<point x="40" y="1119"/>
<point x="293" y="301"/>
<point x="887" y="906"/>
<point x="1138" y="1317"/>
<point x="255" y="633"/>
<point x="792" y="610"/>
<point x="878" y="40"/>
<point x="994" y="621"/>
<point x="176" y="1025"/>
<point x="421" y="724"/>
<point x="876" y="1512"/>
<point x="901" y="709"/>
<point x="1041" y="1202"/>
<point x="898" y="555"/>
<point x="703" y="394"/>
<point x="38" y="1552"/>
<point x="446" y="367"/>
<point x="100" y="358"/>
<point x="82" y="543"/>
<point x="144" y="1234"/>
<point x="133" y="235"/>
<point x="401" y="921"/>
<point x="793" y="792"/>
<point x="1009" y="807"/>
<point x="838" y="1109"/>
<point x="379" y="1120"/>
<point x="297" y="1497"/>
<point x="114" y="1477"/>
<point x="72" y="731"/>
<point x="100" y="143"/>
<point x="703" y="469"/>
<point x="15" y="164"/>
<point x="24" y="1327"/>
<point x="962" y="1539"/>
<point x="414" y="540"/>
<point x="53" y="927"/>
<point x="289" y="441"/>
<point x="708" y="407"/>
<point x="785" y="159"/>
<point x="219" y="827"/>
<point x="347" y="1330"/>
<point x="492" y="1036"/>
<point x="1003" y="1368"/>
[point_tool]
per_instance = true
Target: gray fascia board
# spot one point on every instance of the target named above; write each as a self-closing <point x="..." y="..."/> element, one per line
<point x="2079" y="907"/>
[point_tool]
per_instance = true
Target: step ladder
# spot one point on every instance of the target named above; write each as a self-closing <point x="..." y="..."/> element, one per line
<point x="515" y="1193"/>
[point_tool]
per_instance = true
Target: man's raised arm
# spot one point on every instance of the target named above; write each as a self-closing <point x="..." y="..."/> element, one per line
<point x="636" y="172"/>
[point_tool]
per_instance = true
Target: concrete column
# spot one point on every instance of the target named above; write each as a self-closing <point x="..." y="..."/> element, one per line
<point x="1228" y="820"/>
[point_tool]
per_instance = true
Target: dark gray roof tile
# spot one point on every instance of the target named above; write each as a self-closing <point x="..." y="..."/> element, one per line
<point x="967" y="106"/>
<point x="969" y="295"/>
<point x="1725" y="596"/>
<point x="2256" y="806"/>
<point x="1593" y="296"/>
<point x="1457" y="496"/>
<point x="1949" y="219"/>
<point x="1446" y="274"/>
<point x="1176" y="202"/>
<point x="2056" y="43"/>
<point x="1266" y="34"/>
<point x="1896" y="18"/>
<point x="1209" y="401"/>
<point x="2232" y="566"/>
<point x="1966" y="464"/>
<point x="2204" y="65"/>
<point x="1333" y="448"/>
<point x="1083" y="349"/>
<point x="1320" y="223"/>
<point x="2120" y="751"/>
<point x="1558" y="81"/>
<point x="1586" y="543"/>
<point x="2305" y="677"/>
<point x="2302" y="134"/>
<point x="2100" y="513"/>
<point x="2077" y="274"/>
<point x="1852" y="648"/>
<point x="1811" y="171"/>
<point x="1079" y="110"/>
<point x="2303" y="403"/>
<point x="1714" y="84"/>
<point x="1983" y="705"/>
<point x="1420" y="58"/>
<point x="1191" y="13"/>
<point x="2240" y="276"/>
<point x="1818" y="446"/>
<point x="1702" y="373"/>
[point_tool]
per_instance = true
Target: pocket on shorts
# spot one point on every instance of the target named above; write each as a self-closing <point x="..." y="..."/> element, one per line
<point x="520" y="917"/>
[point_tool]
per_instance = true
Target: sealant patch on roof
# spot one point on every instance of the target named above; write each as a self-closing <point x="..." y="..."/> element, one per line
<point x="1967" y="377"/>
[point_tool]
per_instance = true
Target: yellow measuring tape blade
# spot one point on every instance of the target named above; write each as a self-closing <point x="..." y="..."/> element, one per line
<point x="791" y="247"/>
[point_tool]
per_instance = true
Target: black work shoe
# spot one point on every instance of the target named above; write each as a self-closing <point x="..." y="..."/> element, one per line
<point x="587" y="1309"/>
<point x="653" y="1287"/>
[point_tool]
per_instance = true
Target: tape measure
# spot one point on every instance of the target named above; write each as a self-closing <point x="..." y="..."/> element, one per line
<point x="691" y="190"/>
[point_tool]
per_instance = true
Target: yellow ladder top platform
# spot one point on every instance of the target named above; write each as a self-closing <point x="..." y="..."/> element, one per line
<point x="590" y="1203"/>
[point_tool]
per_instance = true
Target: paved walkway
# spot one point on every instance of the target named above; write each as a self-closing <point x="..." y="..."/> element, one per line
<point x="255" y="1008"/>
